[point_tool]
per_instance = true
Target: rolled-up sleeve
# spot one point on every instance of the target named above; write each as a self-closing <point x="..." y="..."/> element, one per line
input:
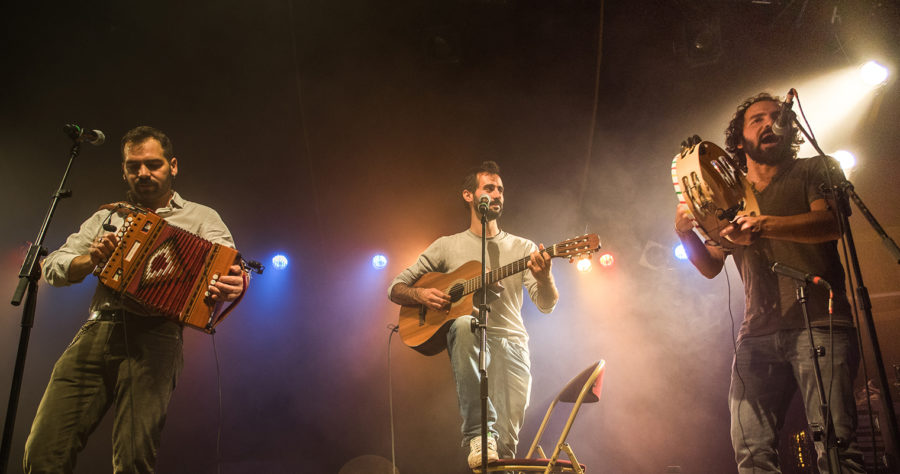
<point x="56" y="266"/>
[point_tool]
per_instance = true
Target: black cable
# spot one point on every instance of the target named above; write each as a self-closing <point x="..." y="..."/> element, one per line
<point x="394" y="328"/>
<point x="219" y="416"/>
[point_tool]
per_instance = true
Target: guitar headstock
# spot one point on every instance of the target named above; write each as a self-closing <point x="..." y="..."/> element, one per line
<point x="577" y="247"/>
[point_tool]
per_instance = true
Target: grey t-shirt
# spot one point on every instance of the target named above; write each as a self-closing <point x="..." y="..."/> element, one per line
<point x="448" y="253"/>
<point x="190" y="216"/>
<point x="771" y="299"/>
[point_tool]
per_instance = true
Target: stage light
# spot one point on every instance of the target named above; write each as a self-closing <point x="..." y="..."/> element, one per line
<point x="680" y="252"/>
<point x="873" y="74"/>
<point x="379" y="261"/>
<point x="607" y="260"/>
<point x="584" y="264"/>
<point x="280" y="262"/>
<point x="845" y="158"/>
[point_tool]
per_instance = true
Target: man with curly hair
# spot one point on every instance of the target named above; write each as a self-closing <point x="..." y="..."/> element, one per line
<point x="797" y="226"/>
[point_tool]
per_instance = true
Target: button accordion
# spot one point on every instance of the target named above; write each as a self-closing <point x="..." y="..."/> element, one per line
<point x="167" y="270"/>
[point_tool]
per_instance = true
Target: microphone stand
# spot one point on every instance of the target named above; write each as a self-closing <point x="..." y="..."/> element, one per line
<point x="480" y="323"/>
<point x="841" y="191"/>
<point x="828" y="437"/>
<point x="29" y="276"/>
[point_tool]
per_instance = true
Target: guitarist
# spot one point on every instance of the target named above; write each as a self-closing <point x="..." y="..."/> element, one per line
<point x="507" y="340"/>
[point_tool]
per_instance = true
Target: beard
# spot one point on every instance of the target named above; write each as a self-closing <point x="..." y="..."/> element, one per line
<point x="772" y="156"/>
<point x="491" y="214"/>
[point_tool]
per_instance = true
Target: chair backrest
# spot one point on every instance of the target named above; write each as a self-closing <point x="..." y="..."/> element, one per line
<point x="583" y="388"/>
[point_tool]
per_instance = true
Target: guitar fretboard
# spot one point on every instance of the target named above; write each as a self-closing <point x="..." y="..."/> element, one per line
<point x="474" y="284"/>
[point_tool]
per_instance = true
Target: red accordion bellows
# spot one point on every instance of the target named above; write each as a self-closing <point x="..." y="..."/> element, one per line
<point x="167" y="269"/>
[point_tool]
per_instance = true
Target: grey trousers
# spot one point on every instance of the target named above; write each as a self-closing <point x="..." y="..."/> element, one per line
<point x="131" y="365"/>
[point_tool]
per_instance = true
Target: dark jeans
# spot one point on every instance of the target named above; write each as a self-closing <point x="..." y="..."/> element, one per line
<point x="132" y="365"/>
<point x="766" y="373"/>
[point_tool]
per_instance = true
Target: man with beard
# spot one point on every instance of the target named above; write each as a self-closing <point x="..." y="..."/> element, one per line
<point x="772" y="360"/>
<point x="507" y="340"/>
<point x="122" y="355"/>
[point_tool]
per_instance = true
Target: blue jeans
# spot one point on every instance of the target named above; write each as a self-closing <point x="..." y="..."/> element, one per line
<point x="509" y="384"/>
<point x="131" y="366"/>
<point x="766" y="373"/>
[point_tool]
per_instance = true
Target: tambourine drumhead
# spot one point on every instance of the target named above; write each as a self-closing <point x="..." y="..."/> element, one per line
<point x="715" y="191"/>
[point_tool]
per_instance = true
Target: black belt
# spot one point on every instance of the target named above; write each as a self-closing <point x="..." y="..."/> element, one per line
<point x="112" y="315"/>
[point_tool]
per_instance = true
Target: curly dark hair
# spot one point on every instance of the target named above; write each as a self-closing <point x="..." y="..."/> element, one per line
<point x="139" y="134"/>
<point x="734" y="134"/>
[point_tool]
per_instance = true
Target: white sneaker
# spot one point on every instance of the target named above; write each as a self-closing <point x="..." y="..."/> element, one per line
<point x="475" y="451"/>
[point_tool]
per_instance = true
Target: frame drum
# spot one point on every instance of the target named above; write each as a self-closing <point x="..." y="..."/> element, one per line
<point x="715" y="190"/>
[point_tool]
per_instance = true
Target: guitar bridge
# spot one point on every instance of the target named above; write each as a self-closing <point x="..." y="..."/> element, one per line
<point x="422" y="311"/>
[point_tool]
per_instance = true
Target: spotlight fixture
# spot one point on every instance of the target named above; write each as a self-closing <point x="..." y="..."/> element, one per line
<point x="607" y="260"/>
<point x="680" y="252"/>
<point x="280" y="262"/>
<point x="379" y="261"/>
<point x="873" y="74"/>
<point x="845" y="158"/>
<point x="584" y="265"/>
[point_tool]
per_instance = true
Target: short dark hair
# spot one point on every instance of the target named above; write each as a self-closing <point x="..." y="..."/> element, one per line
<point x="139" y="134"/>
<point x="734" y="134"/>
<point x="470" y="182"/>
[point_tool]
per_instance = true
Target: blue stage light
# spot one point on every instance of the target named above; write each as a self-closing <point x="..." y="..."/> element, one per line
<point x="379" y="261"/>
<point x="680" y="253"/>
<point x="280" y="262"/>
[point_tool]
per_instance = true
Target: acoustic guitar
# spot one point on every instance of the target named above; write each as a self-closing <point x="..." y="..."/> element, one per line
<point x="425" y="329"/>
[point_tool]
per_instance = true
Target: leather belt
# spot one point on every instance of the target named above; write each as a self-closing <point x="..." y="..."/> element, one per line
<point x="111" y="315"/>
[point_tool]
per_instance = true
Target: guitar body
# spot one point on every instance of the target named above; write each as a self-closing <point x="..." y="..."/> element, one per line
<point x="425" y="329"/>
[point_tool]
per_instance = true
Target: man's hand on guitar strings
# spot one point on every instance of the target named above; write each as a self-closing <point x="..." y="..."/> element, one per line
<point x="433" y="298"/>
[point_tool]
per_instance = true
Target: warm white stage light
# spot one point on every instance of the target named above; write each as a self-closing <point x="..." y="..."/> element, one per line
<point x="584" y="265"/>
<point x="873" y="73"/>
<point x="845" y="158"/>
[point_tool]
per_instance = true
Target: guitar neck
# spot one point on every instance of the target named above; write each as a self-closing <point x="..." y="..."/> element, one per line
<point x="474" y="284"/>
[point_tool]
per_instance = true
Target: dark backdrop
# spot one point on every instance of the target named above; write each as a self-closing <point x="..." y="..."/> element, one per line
<point x="329" y="131"/>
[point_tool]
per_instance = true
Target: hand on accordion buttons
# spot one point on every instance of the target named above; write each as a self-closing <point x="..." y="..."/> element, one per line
<point x="103" y="247"/>
<point x="229" y="287"/>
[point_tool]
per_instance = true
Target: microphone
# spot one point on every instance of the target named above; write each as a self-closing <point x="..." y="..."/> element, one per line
<point x="79" y="135"/>
<point x="483" y="203"/>
<point x="791" y="272"/>
<point x="782" y="125"/>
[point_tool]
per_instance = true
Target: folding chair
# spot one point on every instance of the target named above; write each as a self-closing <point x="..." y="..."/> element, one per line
<point x="584" y="388"/>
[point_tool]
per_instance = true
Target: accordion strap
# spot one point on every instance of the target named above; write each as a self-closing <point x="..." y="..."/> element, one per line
<point x="121" y="208"/>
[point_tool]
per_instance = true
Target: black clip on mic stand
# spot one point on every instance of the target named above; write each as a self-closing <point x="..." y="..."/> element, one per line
<point x="480" y="323"/>
<point x="29" y="276"/>
<point x="824" y="433"/>
<point x="841" y="190"/>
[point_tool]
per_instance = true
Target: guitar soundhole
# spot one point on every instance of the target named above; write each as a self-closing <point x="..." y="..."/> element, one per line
<point x="456" y="292"/>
